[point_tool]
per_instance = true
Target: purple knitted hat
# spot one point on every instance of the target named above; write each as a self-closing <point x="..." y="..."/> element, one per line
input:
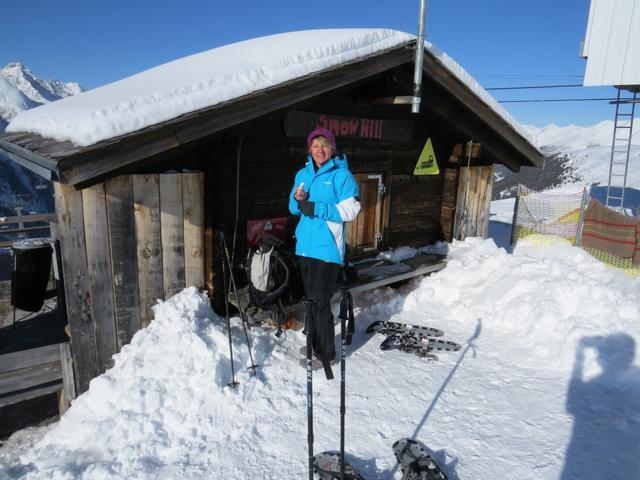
<point x="321" y="132"/>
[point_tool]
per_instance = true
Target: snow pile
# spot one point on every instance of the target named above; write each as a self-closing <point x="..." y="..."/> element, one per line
<point x="550" y="298"/>
<point x="533" y="326"/>
<point x="152" y="406"/>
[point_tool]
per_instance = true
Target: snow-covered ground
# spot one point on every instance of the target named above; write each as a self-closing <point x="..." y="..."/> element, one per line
<point x="546" y="384"/>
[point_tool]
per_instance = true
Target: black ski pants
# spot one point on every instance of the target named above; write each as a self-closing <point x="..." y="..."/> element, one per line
<point x="319" y="279"/>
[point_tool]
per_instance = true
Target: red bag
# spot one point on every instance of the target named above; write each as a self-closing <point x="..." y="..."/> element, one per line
<point x="276" y="227"/>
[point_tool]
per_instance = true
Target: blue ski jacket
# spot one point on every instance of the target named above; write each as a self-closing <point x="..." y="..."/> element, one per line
<point x="334" y="191"/>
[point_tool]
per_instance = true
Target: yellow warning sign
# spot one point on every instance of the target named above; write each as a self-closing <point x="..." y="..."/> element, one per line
<point x="427" y="164"/>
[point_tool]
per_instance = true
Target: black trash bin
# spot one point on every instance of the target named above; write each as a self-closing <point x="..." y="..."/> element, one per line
<point x="30" y="273"/>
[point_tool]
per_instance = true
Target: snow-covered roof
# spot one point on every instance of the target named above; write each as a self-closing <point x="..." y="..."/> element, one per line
<point x="612" y="43"/>
<point x="210" y="78"/>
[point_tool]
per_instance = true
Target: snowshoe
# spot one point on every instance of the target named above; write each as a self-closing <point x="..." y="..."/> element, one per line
<point x="389" y="328"/>
<point x="396" y="341"/>
<point x="415" y="461"/>
<point x="326" y="466"/>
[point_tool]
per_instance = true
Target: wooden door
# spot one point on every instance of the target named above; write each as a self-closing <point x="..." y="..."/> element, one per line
<point x="364" y="234"/>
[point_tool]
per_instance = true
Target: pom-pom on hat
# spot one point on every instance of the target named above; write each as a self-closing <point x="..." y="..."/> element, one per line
<point x="321" y="132"/>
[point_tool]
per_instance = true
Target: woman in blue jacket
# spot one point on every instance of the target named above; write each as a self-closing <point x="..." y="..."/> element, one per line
<point x="325" y="195"/>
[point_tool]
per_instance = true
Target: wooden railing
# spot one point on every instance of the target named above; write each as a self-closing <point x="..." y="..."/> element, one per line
<point x="18" y="224"/>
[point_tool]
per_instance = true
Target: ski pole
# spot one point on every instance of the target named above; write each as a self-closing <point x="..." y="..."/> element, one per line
<point x="240" y="310"/>
<point x="344" y="309"/>
<point x="308" y="322"/>
<point x="225" y="292"/>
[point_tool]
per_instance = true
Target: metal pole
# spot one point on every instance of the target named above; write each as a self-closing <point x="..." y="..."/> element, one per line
<point x="225" y="292"/>
<point x="237" y="296"/>
<point x="419" y="60"/>
<point x="514" y="220"/>
<point x="308" y="322"/>
<point x="344" y="309"/>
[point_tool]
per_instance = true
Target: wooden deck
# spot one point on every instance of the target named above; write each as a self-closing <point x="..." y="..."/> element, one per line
<point x="32" y="373"/>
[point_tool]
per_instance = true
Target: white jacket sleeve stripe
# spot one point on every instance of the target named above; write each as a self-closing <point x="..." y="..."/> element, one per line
<point x="348" y="209"/>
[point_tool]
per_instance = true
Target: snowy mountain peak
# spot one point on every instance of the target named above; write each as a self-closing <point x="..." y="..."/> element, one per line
<point x="573" y="137"/>
<point x="12" y="101"/>
<point x="37" y="90"/>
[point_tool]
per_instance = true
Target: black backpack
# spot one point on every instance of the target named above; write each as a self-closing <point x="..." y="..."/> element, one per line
<point x="273" y="277"/>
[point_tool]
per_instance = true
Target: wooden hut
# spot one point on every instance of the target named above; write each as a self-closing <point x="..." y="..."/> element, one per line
<point x="137" y="213"/>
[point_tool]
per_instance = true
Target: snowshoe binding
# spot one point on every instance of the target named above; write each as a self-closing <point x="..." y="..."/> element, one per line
<point x="415" y="461"/>
<point x="326" y="466"/>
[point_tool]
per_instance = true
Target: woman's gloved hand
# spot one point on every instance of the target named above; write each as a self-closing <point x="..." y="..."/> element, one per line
<point x="306" y="207"/>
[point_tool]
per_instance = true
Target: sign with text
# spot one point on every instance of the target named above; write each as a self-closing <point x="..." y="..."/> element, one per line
<point x="427" y="164"/>
<point x="299" y="124"/>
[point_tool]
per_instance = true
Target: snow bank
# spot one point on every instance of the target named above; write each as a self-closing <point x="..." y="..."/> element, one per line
<point x="542" y="299"/>
<point x="149" y="408"/>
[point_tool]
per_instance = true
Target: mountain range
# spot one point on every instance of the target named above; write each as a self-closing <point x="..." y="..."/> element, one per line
<point x="575" y="157"/>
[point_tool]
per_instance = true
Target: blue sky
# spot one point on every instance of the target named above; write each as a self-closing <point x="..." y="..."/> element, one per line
<point x="500" y="42"/>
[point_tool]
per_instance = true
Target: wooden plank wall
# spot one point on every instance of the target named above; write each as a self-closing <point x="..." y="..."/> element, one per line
<point x="123" y="248"/>
<point x="172" y="234"/>
<point x="100" y="275"/>
<point x="416" y="203"/>
<point x="447" y="215"/>
<point x="125" y="244"/>
<point x="146" y="198"/>
<point x="193" y="218"/>
<point x="71" y="233"/>
<point x="473" y="202"/>
<point x="268" y="163"/>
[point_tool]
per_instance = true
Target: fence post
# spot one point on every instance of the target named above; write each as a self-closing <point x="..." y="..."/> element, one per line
<point x="581" y="218"/>
<point x="515" y="217"/>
